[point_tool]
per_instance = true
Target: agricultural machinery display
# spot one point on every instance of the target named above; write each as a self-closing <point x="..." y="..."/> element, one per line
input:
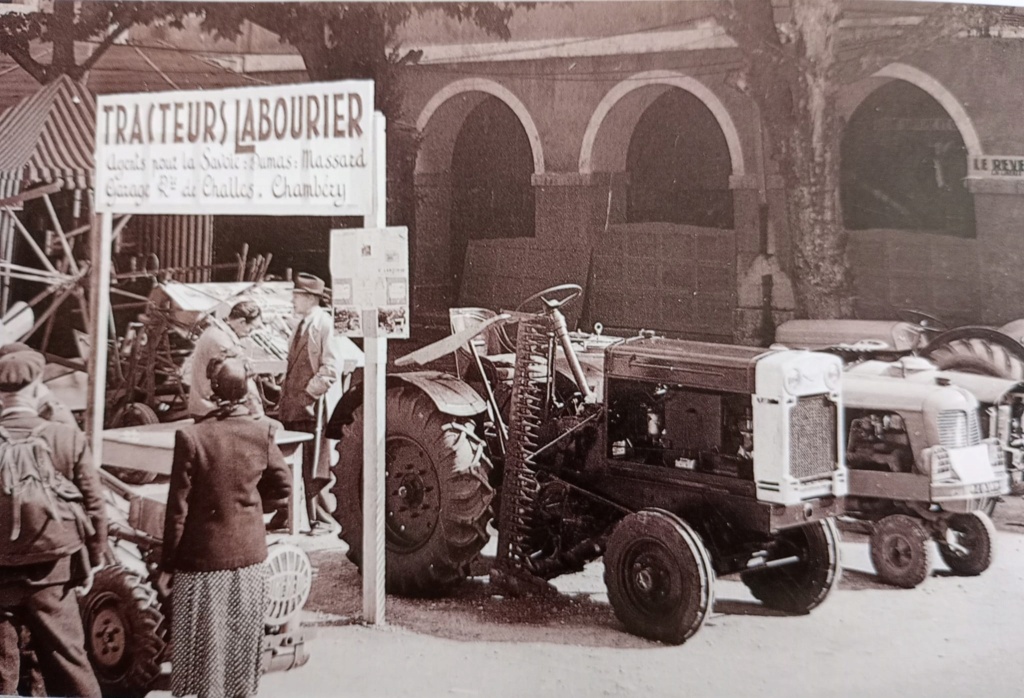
<point x="676" y="461"/>
<point x="127" y="632"/>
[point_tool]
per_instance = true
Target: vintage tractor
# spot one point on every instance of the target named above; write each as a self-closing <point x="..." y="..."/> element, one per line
<point x="988" y="351"/>
<point x="127" y="633"/>
<point x="920" y="468"/>
<point x="677" y="461"/>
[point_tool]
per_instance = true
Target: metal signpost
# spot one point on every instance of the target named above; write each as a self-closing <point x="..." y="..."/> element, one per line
<point x="370" y="287"/>
<point x="314" y="149"/>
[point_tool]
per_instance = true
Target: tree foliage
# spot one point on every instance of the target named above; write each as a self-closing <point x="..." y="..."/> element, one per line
<point x="795" y="62"/>
<point x="100" y="24"/>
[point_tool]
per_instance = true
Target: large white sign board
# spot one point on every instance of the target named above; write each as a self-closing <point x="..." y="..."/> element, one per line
<point x="281" y="150"/>
<point x="370" y="272"/>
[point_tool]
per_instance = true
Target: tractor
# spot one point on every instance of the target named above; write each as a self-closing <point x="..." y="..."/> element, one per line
<point x="979" y="349"/>
<point x="922" y="467"/>
<point x="125" y="618"/>
<point x="675" y="461"/>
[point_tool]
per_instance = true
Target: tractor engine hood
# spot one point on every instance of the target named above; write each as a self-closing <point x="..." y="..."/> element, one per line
<point x="987" y="389"/>
<point x="820" y="334"/>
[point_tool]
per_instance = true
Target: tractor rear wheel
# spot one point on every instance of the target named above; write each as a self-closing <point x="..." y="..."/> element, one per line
<point x="659" y="576"/>
<point x="802" y="585"/>
<point x="980" y="350"/>
<point x="125" y="632"/>
<point x="968" y="545"/>
<point x="900" y="551"/>
<point x="437" y="493"/>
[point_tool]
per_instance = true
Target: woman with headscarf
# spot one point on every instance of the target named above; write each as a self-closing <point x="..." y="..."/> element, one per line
<point x="225" y="466"/>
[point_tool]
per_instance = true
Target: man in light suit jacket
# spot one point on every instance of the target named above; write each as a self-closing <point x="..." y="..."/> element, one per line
<point x="312" y="370"/>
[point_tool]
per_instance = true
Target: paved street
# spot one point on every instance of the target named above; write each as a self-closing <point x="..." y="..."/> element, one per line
<point x="950" y="637"/>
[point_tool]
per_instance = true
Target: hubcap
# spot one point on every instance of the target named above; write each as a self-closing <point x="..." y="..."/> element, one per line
<point x="648" y="579"/>
<point x="108" y="637"/>
<point x="644" y="580"/>
<point x="899" y="552"/>
<point x="413" y="494"/>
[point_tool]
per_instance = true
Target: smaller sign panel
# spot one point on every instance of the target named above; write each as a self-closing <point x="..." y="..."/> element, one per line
<point x="370" y="279"/>
<point x="992" y="166"/>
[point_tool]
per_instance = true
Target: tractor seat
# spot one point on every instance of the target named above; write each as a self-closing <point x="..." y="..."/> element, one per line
<point x="488" y="343"/>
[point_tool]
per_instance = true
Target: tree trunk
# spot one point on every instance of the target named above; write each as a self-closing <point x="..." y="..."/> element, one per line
<point x="821" y="273"/>
<point x="821" y="276"/>
<point x="63" y="40"/>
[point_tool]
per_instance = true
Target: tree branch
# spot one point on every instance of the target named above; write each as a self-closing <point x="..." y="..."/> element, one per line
<point x="20" y="54"/>
<point x="100" y="49"/>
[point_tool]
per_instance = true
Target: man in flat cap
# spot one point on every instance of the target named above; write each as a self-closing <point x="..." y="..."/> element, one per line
<point x="50" y="408"/>
<point x="219" y="342"/>
<point x="37" y="581"/>
<point x="312" y="370"/>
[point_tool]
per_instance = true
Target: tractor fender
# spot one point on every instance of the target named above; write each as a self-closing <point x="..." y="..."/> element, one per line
<point x="450" y="394"/>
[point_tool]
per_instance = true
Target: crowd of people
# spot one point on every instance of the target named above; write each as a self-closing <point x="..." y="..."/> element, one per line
<point x="227" y="475"/>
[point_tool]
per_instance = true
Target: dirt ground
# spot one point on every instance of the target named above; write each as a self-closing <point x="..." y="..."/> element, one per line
<point x="951" y="636"/>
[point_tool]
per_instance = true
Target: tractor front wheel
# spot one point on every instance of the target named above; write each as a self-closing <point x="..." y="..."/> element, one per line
<point x="968" y="544"/>
<point x="900" y="551"/>
<point x="437" y="493"/>
<point x="659" y="576"/>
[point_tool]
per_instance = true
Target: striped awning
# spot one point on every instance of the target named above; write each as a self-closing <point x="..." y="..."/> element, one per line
<point x="50" y="136"/>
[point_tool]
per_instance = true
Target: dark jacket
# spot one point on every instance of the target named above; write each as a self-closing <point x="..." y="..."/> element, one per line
<point x="222" y="470"/>
<point x="71" y="456"/>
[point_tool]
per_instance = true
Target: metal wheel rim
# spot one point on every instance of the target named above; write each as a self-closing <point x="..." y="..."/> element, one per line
<point x="413" y="494"/>
<point x="898" y="552"/>
<point x="647" y="576"/>
<point x="108" y="634"/>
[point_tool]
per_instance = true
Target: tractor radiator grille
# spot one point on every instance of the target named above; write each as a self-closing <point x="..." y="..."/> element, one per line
<point x="958" y="428"/>
<point x="812" y="438"/>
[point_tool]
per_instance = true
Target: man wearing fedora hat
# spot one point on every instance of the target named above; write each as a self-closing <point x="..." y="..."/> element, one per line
<point x="312" y="370"/>
<point x="39" y="590"/>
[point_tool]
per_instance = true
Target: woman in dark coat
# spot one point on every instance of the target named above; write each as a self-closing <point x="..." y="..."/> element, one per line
<point x="215" y="540"/>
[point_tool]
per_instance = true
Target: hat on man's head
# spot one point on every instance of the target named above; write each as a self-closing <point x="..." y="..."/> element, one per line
<point x="19" y="368"/>
<point x="307" y="283"/>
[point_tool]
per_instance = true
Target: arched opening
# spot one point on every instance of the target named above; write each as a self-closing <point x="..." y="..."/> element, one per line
<point x="904" y="165"/>
<point x="679" y="165"/>
<point x="491" y="180"/>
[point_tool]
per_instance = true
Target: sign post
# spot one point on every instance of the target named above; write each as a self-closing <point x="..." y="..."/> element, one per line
<point x="370" y="287"/>
<point x="313" y="149"/>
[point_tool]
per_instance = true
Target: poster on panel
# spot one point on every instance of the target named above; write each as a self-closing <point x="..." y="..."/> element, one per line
<point x="370" y="272"/>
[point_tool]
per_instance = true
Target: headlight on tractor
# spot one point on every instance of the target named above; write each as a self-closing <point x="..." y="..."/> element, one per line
<point x="791" y="381"/>
<point x="832" y="376"/>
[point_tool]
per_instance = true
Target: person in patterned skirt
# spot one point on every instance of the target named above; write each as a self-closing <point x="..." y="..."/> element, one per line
<point x="227" y="471"/>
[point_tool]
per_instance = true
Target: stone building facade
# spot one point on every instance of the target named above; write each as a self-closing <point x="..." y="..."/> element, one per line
<point x="640" y="168"/>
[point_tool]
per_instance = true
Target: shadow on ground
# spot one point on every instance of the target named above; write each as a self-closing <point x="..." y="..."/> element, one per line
<point x="473" y="612"/>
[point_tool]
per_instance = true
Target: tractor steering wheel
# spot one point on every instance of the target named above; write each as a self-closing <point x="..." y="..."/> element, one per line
<point x="566" y="292"/>
<point x="925" y="320"/>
